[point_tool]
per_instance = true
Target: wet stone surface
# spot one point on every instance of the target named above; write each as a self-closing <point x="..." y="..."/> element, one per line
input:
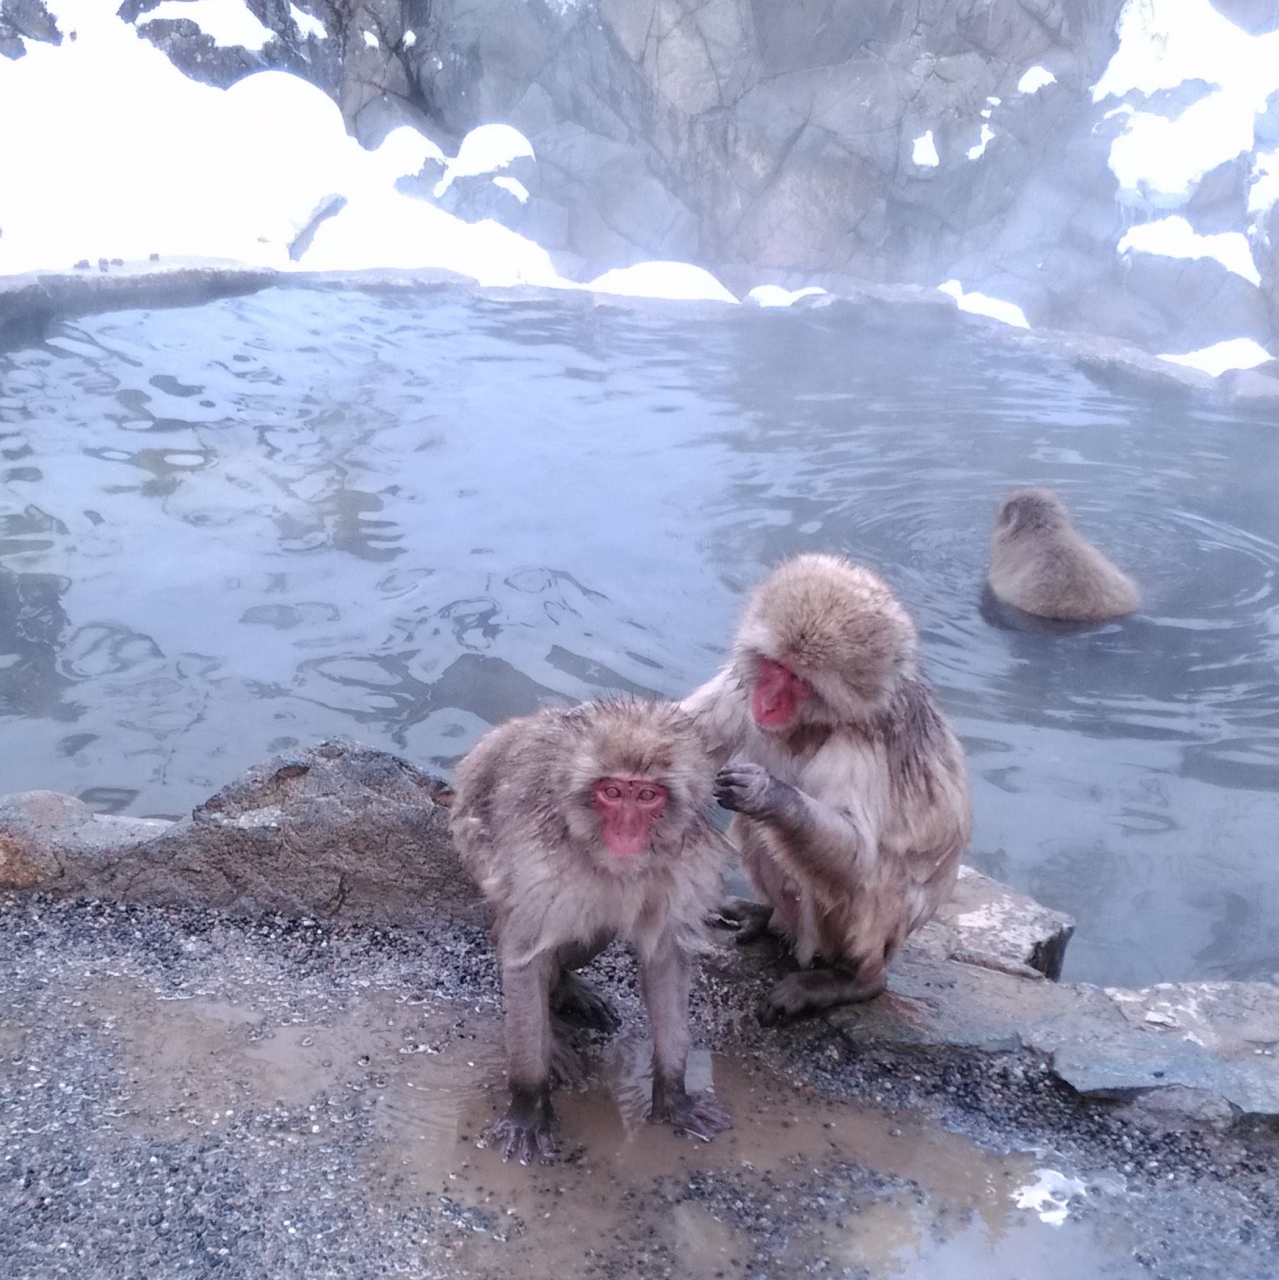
<point x="185" y="1094"/>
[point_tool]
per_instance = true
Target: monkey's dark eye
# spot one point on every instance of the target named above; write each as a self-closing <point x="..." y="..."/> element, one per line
<point x="648" y="795"/>
<point x="613" y="792"/>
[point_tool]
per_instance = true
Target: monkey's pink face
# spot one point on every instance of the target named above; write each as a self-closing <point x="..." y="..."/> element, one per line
<point x="628" y="808"/>
<point x="777" y="696"/>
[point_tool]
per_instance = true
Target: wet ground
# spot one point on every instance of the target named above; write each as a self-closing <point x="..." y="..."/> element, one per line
<point x="182" y="1094"/>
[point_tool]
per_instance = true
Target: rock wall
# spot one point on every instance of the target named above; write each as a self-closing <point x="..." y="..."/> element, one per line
<point x="774" y="139"/>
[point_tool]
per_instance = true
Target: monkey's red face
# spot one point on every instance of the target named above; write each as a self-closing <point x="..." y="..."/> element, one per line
<point x="628" y="808"/>
<point x="778" y="695"/>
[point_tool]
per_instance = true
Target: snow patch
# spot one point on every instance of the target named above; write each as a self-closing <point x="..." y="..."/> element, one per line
<point x="1237" y="353"/>
<point x="1049" y="1195"/>
<point x="981" y="304"/>
<point x="371" y="41"/>
<point x="662" y="280"/>
<point x="1175" y="238"/>
<point x="409" y="39"/>
<point x="1163" y="43"/>
<point x="976" y="152"/>
<point x="924" y="153"/>
<point x="773" y="295"/>
<point x="514" y="186"/>
<point x="229" y="22"/>
<point x="484" y="149"/>
<point x="1034" y="79"/>
<point x="307" y="24"/>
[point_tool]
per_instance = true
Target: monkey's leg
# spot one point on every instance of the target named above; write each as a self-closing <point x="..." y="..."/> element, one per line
<point x="812" y="990"/>
<point x="576" y="1000"/>
<point x="527" y="1131"/>
<point x="665" y="979"/>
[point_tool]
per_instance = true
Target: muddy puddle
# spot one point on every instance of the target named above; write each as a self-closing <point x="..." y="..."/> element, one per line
<point x="802" y="1184"/>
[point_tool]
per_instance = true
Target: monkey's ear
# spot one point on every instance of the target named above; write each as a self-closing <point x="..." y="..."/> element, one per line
<point x="578" y="712"/>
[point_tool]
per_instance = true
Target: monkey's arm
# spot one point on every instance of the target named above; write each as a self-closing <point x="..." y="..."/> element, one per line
<point x="665" y="979"/>
<point x="826" y="843"/>
<point x="527" y="1130"/>
<point x="721" y="712"/>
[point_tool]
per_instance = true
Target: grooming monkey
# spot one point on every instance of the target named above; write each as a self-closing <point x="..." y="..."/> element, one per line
<point x="849" y="788"/>
<point x="1040" y="564"/>
<point x="579" y="827"/>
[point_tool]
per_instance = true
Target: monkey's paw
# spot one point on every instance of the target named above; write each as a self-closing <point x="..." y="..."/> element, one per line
<point x="748" y="789"/>
<point x="698" y="1115"/>
<point x="528" y="1141"/>
<point x="789" y="998"/>
<point x="749" y="919"/>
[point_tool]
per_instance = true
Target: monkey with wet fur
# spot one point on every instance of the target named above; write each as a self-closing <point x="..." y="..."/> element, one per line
<point x="849" y="789"/>
<point x="1041" y="565"/>
<point x="579" y="827"/>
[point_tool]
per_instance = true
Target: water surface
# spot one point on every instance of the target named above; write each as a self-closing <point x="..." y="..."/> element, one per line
<point x="230" y="529"/>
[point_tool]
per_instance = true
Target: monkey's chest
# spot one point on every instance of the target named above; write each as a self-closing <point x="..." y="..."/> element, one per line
<point x="605" y="909"/>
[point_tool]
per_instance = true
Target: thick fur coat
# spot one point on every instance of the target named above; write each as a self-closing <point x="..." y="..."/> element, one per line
<point x="860" y="844"/>
<point x="1040" y="564"/>
<point x="524" y="826"/>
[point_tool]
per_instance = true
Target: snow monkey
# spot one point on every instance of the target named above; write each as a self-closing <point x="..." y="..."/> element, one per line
<point x="579" y="827"/>
<point x="849" y="788"/>
<point x="1041" y="565"/>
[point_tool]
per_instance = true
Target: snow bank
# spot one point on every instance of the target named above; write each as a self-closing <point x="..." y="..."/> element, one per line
<point x="980" y="304"/>
<point x="122" y="156"/>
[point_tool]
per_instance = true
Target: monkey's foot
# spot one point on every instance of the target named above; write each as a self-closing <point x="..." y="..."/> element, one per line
<point x="529" y="1143"/>
<point x="697" y="1115"/>
<point x="749" y="919"/>
<point x="813" y="990"/>
<point x="577" y="1001"/>
<point x="527" y="1131"/>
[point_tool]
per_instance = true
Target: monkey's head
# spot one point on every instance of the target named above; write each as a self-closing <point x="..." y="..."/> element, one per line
<point x="822" y="642"/>
<point x="1028" y="511"/>
<point x="639" y="776"/>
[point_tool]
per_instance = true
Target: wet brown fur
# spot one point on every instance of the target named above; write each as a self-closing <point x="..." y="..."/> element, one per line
<point x="1039" y="563"/>
<point x="526" y="829"/>
<point x="861" y="843"/>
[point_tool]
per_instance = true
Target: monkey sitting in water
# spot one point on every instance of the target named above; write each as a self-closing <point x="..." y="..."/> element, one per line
<point x="579" y="827"/>
<point x="849" y="790"/>
<point x="1041" y="565"/>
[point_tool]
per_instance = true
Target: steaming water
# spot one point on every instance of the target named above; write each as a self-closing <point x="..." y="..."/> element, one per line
<point x="235" y="528"/>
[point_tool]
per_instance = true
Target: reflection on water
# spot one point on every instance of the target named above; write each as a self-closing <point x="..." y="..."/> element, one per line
<point x="229" y="529"/>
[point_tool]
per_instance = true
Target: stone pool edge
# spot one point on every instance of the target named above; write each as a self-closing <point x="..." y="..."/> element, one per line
<point x="29" y="301"/>
<point x="354" y="835"/>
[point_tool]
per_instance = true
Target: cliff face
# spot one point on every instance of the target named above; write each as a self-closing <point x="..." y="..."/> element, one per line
<point x="780" y="135"/>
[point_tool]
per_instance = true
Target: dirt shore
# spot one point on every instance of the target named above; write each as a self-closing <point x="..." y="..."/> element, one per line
<point x="186" y="1094"/>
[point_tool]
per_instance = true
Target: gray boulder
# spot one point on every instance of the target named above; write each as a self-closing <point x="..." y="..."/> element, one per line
<point x="337" y="830"/>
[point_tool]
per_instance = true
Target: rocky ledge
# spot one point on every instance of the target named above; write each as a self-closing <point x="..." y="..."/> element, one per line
<point x="352" y="834"/>
<point x="29" y="303"/>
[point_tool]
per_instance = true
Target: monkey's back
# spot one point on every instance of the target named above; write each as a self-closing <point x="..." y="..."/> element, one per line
<point x="1056" y="573"/>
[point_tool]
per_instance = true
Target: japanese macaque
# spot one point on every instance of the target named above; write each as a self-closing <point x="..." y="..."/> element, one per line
<point x="579" y="827"/>
<point x="849" y="790"/>
<point x="1041" y="565"/>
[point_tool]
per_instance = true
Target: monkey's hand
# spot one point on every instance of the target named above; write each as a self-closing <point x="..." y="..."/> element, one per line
<point x="526" y="1132"/>
<point x="697" y="1115"/>
<point x="749" y="789"/>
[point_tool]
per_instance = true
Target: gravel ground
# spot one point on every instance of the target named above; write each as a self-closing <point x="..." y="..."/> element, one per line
<point x="185" y="1094"/>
